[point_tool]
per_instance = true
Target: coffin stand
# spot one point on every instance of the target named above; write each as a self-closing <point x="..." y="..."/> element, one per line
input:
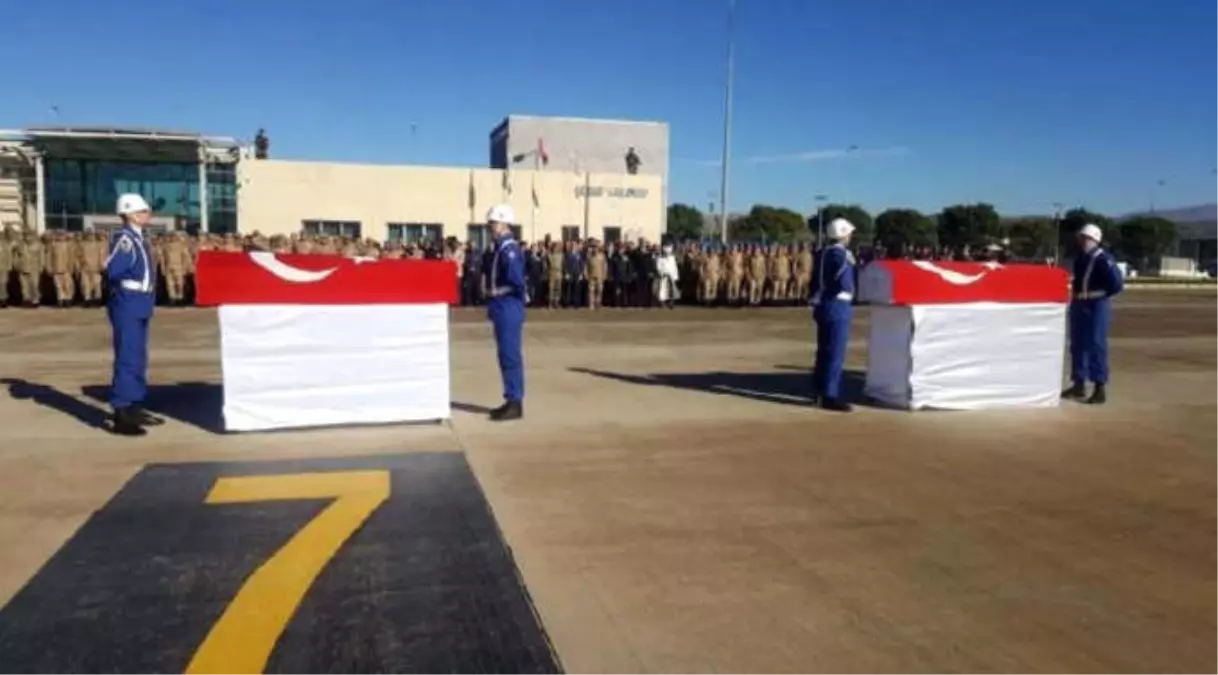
<point x="318" y="340"/>
<point x="964" y="336"/>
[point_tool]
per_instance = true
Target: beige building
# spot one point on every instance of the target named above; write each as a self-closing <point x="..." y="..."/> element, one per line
<point x="409" y="202"/>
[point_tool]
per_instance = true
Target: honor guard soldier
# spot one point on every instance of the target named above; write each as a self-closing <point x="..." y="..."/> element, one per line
<point x="1096" y="278"/>
<point x="832" y="295"/>
<point x="506" y="300"/>
<point x="132" y="276"/>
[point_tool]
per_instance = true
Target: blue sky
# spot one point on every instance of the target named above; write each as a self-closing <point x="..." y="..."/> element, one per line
<point x="1018" y="102"/>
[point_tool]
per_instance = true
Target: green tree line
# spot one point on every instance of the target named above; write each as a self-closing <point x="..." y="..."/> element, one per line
<point x="956" y="228"/>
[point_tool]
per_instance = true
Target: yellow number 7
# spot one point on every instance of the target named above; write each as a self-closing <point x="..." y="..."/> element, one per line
<point x="242" y="640"/>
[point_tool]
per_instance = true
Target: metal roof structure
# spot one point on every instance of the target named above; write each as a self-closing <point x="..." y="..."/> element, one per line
<point x="122" y="144"/>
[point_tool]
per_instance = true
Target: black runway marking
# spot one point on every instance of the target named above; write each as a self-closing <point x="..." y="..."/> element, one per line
<point x="425" y="585"/>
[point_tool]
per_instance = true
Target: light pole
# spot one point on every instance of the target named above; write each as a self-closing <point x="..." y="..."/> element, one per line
<point x="820" y="218"/>
<point x="1154" y="192"/>
<point x="1057" y="233"/>
<point x="725" y="165"/>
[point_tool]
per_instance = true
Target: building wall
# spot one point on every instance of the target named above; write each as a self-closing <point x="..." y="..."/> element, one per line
<point x="578" y="145"/>
<point x="275" y="196"/>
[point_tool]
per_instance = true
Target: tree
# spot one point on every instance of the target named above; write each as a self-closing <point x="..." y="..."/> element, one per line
<point x="684" y="222"/>
<point x="1032" y="238"/>
<point x="1146" y="237"/>
<point x="969" y="225"/>
<point x="864" y="228"/>
<point x="899" y="230"/>
<point x="769" y="222"/>
<point x="1074" y="220"/>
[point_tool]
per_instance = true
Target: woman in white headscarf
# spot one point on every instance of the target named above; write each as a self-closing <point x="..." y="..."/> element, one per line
<point x="666" y="267"/>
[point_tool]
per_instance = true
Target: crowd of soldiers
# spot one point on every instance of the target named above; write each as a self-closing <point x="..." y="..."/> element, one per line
<point x="68" y="268"/>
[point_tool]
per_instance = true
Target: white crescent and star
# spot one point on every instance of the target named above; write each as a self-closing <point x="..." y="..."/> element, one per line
<point x="954" y="277"/>
<point x="267" y="261"/>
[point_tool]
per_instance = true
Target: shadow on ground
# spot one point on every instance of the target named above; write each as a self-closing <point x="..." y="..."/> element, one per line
<point x="198" y="404"/>
<point x="790" y="386"/>
<point x="45" y="395"/>
<point x="470" y="408"/>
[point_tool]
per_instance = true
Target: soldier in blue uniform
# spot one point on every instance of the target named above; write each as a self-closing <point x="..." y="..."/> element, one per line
<point x="832" y="293"/>
<point x="131" y="270"/>
<point x="1096" y="278"/>
<point x="506" y="299"/>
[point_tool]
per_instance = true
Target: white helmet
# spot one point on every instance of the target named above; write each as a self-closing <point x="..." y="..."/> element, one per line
<point x="1092" y="232"/>
<point x="501" y="213"/>
<point x="131" y="203"/>
<point x="840" y="228"/>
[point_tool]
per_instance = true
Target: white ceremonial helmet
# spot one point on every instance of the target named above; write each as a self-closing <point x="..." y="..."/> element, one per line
<point x="131" y="203"/>
<point x="1092" y="232"/>
<point x="501" y="213"/>
<point x="840" y="228"/>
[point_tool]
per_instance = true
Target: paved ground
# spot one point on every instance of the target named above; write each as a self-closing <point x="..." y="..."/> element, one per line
<point x="673" y="505"/>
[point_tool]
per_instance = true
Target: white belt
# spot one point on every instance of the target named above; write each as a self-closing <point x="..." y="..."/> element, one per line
<point x="136" y="286"/>
<point x="501" y="291"/>
<point x="1090" y="295"/>
<point x="845" y="296"/>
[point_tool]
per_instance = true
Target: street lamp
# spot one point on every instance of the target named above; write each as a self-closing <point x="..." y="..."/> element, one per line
<point x="1057" y="233"/>
<point x="820" y="218"/>
<point x="725" y="165"/>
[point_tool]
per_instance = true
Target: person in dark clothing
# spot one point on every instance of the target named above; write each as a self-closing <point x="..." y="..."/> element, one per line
<point x="484" y="277"/>
<point x="645" y="264"/>
<point x="533" y="268"/>
<point x="471" y="277"/>
<point x="624" y="271"/>
<point x="572" y="273"/>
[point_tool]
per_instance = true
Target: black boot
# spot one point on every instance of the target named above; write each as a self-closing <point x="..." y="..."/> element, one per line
<point x="512" y="410"/>
<point x="1098" y="396"/>
<point x="1075" y="392"/>
<point x="836" y="405"/>
<point x="124" y="423"/>
<point x="145" y="418"/>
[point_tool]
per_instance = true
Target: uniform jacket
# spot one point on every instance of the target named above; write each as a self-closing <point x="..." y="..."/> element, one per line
<point x="507" y="274"/>
<point x="1096" y="277"/>
<point x="833" y="283"/>
<point x="132" y="273"/>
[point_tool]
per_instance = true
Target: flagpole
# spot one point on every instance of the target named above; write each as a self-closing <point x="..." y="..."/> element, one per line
<point x="725" y="164"/>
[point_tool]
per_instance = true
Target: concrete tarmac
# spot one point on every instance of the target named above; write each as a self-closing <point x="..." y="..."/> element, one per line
<point x="674" y="505"/>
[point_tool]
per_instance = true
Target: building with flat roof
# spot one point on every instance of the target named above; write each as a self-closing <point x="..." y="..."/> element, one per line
<point x="70" y="178"/>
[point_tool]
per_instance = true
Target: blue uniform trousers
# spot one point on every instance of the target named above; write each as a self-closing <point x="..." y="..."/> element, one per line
<point x="832" y="337"/>
<point x="507" y="319"/>
<point x="1089" y="321"/>
<point x="130" y="330"/>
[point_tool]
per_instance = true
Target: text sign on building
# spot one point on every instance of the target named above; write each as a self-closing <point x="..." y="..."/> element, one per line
<point x="617" y="192"/>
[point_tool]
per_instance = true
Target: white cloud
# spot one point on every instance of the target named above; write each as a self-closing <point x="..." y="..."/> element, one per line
<point x="813" y="156"/>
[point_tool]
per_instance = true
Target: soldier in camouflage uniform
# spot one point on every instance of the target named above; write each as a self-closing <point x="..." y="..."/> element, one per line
<point x="802" y="270"/>
<point x="735" y="274"/>
<point x="596" y="268"/>
<point x="7" y="251"/>
<point x="709" y="274"/>
<point x="30" y="263"/>
<point x="756" y="275"/>
<point x="554" y="276"/>
<point x="176" y="258"/>
<point x="93" y="253"/>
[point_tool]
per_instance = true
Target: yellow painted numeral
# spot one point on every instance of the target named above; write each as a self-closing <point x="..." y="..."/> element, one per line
<point x="242" y="640"/>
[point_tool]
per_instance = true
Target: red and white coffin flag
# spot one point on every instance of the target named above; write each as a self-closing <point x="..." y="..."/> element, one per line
<point x="312" y="340"/>
<point x="965" y="336"/>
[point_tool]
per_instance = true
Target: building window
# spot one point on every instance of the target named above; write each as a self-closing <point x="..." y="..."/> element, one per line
<point x="613" y="234"/>
<point x="413" y="233"/>
<point x="479" y="235"/>
<point x="332" y="228"/>
<point x="570" y="233"/>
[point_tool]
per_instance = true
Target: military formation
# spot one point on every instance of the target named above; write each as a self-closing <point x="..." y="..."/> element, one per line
<point x="68" y="268"/>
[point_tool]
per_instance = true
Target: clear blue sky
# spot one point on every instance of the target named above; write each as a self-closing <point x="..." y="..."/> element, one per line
<point x="1016" y="102"/>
